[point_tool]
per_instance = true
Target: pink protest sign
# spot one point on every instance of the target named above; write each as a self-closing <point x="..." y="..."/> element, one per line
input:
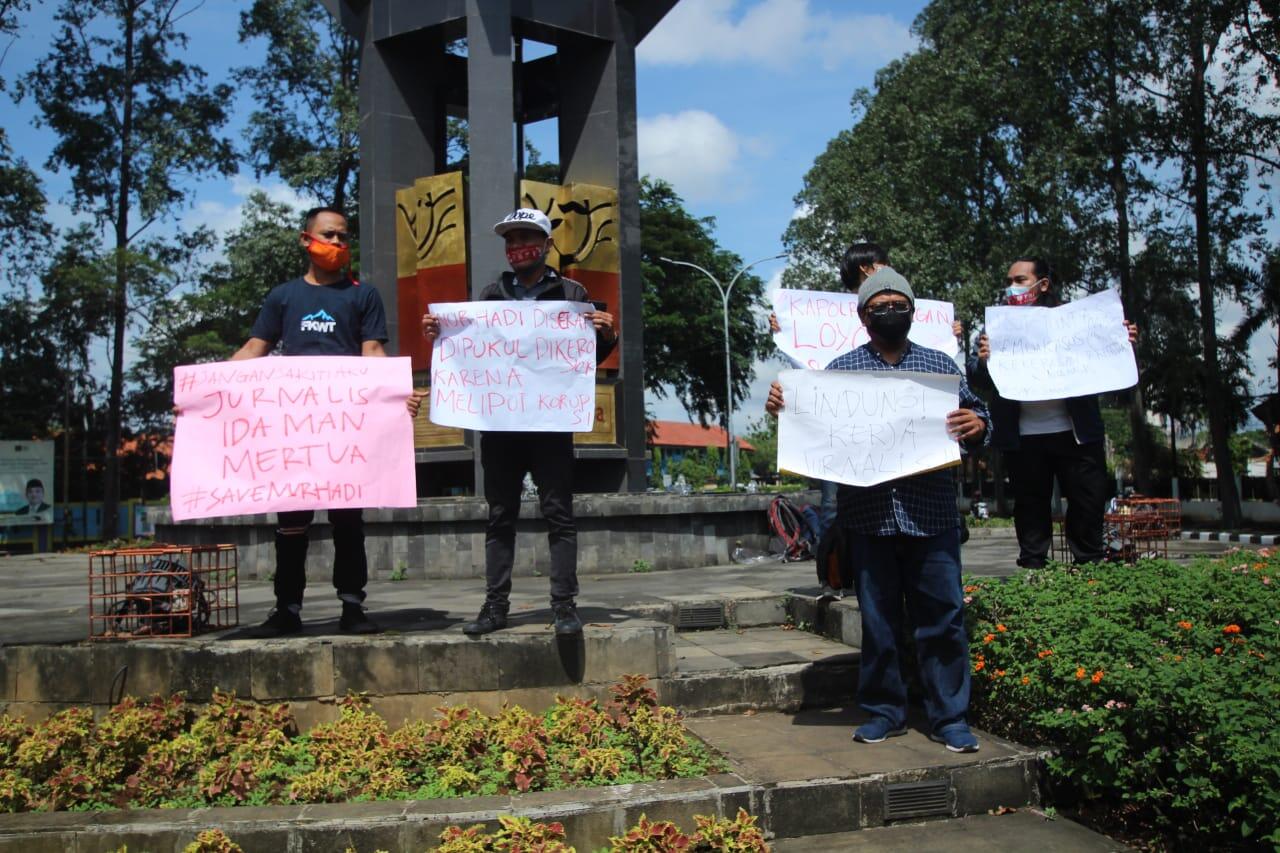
<point x="514" y="366"/>
<point x="305" y="432"/>
<point x="815" y="326"/>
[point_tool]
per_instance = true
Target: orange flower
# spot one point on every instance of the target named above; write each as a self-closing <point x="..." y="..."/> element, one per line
<point x="1026" y="679"/>
<point x="1258" y="655"/>
<point x="979" y="666"/>
<point x="988" y="638"/>
<point x="971" y="588"/>
<point x="1097" y="677"/>
<point x="1044" y="654"/>
<point x="1001" y="628"/>
<point x="1217" y="650"/>
<point x="1178" y="658"/>
<point x="1231" y="629"/>
<point x="1184" y="625"/>
<point x="1259" y="565"/>
<point x="1080" y="672"/>
<point x="1091" y="582"/>
<point x="1000" y="672"/>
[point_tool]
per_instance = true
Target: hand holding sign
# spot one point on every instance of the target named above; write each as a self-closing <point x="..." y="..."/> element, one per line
<point x="514" y="366"/>
<point x="867" y="427"/>
<point x="1083" y="347"/>
<point x="812" y="327"/>
<point x="275" y="434"/>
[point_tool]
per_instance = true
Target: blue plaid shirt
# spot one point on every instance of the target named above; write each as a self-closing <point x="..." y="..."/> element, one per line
<point x="921" y="504"/>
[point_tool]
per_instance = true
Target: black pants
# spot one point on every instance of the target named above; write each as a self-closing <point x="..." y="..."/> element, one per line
<point x="350" y="567"/>
<point x="548" y="456"/>
<point x="1081" y="470"/>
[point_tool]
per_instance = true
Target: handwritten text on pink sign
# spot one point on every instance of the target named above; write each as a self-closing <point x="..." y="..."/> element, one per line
<point x="306" y="432"/>
<point x="514" y="366"/>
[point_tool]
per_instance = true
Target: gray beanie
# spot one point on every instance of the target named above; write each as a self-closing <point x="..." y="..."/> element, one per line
<point x="884" y="280"/>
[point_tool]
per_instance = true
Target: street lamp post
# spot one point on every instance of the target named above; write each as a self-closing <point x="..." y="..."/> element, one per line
<point x="731" y="447"/>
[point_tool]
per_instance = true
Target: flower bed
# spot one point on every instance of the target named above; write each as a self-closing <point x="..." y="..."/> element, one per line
<point x="165" y="753"/>
<point x="1158" y="684"/>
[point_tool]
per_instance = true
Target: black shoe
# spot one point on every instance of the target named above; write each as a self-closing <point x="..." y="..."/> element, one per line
<point x="282" y="621"/>
<point x="566" y="618"/>
<point x="492" y="618"/>
<point x="354" y="621"/>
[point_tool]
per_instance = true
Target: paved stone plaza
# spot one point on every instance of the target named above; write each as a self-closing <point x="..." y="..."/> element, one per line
<point x="46" y="599"/>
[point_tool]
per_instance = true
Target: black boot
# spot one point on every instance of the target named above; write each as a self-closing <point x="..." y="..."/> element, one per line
<point x="354" y="620"/>
<point x="566" y="618"/>
<point x="493" y="617"/>
<point x="281" y="622"/>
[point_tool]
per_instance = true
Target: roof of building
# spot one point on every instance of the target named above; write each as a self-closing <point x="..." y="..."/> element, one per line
<point x="679" y="434"/>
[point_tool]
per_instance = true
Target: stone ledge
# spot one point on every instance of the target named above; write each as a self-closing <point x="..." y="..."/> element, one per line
<point x="308" y="669"/>
<point x="786" y="809"/>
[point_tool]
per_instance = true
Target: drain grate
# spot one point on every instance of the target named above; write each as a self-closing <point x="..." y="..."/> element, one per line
<point x="700" y="616"/>
<point x="916" y="799"/>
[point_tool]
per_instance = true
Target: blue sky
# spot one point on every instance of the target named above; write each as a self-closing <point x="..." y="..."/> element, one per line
<point x="735" y="100"/>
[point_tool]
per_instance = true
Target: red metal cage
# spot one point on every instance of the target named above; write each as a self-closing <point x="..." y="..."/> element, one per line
<point x="162" y="591"/>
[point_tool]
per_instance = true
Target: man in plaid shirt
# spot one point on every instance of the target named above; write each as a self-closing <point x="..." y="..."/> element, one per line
<point x="905" y="542"/>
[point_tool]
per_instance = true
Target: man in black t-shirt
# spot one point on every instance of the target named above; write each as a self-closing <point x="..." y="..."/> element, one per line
<point x="325" y="312"/>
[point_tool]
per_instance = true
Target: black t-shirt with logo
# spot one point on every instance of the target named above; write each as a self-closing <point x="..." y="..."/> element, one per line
<point x="321" y="319"/>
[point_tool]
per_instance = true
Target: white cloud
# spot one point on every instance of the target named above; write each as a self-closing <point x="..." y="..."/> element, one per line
<point x="225" y="217"/>
<point x="693" y="151"/>
<point x="778" y="34"/>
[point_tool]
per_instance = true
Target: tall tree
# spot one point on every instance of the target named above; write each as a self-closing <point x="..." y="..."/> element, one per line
<point x="306" y="126"/>
<point x="210" y="321"/>
<point x="132" y="123"/>
<point x="23" y="228"/>
<point x="682" y="310"/>
<point x="1211" y="135"/>
<point x="963" y="157"/>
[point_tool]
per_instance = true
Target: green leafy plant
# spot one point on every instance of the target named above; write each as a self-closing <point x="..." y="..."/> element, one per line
<point x="1157" y="685"/>
<point x="641" y="567"/>
<point x="400" y="573"/>
<point x="166" y="753"/>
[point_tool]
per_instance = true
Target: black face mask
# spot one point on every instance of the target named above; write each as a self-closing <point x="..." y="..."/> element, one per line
<point x="891" y="328"/>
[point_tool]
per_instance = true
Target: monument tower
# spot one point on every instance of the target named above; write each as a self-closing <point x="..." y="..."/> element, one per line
<point x="424" y="61"/>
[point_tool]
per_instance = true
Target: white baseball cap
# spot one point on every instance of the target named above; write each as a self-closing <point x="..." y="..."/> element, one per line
<point x="525" y="217"/>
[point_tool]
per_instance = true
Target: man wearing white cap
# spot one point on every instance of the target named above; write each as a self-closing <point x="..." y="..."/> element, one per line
<point x="548" y="456"/>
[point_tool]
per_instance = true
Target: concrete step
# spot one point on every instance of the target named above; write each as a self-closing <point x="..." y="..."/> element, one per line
<point x="800" y="774"/>
<point x="409" y="676"/>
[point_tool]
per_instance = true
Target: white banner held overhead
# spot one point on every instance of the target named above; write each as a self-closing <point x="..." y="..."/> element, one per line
<point x="863" y="427"/>
<point x="816" y="326"/>
<point x="514" y="366"/>
<point x="1052" y="353"/>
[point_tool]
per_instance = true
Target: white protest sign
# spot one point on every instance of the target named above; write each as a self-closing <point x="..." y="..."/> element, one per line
<point x="1051" y="353"/>
<point x="863" y="427"/>
<point x="514" y="366"/>
<point x="816" y="326"/>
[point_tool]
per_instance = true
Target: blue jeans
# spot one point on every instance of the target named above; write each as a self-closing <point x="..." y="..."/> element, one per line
<point x="827" y="510"/>
<point x="925" y="571"/>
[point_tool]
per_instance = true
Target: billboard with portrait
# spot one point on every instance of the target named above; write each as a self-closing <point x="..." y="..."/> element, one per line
<point x="26" y="483"/>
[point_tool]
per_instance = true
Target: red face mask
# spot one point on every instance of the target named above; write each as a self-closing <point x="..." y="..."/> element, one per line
<point x="518" y="256"/>
<point x="1027" y="297"/>
<point x="327" y="256"/>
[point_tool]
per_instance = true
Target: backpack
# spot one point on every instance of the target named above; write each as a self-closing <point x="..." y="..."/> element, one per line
<point x="793" y="537"/>
<point x="166" y="598"/>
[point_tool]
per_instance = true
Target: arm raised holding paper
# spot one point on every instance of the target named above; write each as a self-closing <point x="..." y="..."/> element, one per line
<point x="1048" y="363"/>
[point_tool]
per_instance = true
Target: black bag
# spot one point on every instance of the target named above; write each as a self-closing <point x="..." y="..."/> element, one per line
<point x="834" y="569"/>
<point x="168" y="596"/>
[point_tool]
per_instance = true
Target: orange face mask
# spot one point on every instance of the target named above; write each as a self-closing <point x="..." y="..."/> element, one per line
<point x="327" y="256"/>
